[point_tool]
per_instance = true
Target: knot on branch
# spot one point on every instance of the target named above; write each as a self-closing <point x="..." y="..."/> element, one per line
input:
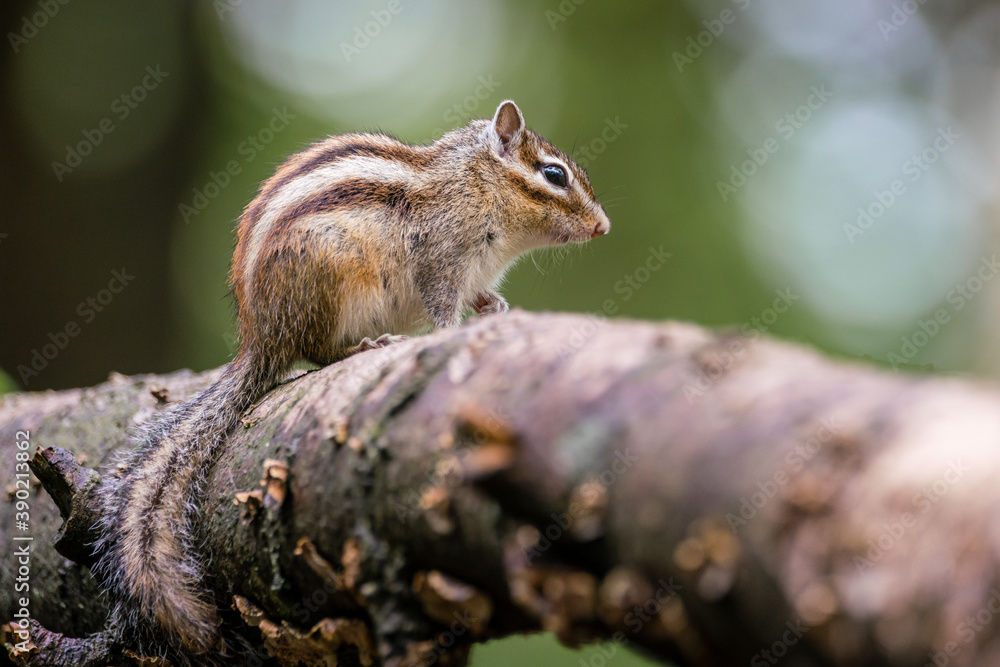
<point x="34" y="646"/>
<point x="73" y="487"/>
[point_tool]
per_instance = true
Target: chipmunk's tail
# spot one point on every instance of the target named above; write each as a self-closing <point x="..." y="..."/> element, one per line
<point x="148" y="561"/>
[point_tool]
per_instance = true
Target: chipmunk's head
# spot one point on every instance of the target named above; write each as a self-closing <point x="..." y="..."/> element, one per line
<point x="549" y="200"/>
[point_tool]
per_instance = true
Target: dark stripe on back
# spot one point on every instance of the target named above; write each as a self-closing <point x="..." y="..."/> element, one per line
<point x="396" y="198"/>
<point x="409" y="155"/>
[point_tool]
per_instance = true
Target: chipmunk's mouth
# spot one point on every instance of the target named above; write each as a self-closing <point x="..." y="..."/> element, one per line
<point x="561" y="238"/>
<point x="579" y="230"/>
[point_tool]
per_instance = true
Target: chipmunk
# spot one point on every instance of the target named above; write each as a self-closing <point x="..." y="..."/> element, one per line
<point x="356" y="239"/>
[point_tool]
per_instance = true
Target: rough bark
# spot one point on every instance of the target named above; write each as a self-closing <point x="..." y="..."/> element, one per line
<point x="703" y="497"/>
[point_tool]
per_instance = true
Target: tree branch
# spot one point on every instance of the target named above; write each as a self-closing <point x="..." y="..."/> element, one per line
<point x="702" y="497"/>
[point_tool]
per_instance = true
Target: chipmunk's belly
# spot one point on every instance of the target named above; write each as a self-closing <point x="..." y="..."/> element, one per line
<point x="391" y="306"/>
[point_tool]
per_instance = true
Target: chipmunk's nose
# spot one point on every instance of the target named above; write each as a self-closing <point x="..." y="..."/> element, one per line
<point x="601" y="228"/>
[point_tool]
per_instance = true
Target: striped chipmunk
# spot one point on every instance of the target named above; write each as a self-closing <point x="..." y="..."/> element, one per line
<point x="352" y="241"/>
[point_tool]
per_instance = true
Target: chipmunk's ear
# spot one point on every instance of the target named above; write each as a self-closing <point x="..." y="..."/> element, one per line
<point x="508" y="123"/>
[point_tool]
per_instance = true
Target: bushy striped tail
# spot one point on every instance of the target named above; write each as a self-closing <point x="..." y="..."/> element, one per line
<point x="148" y="561"/>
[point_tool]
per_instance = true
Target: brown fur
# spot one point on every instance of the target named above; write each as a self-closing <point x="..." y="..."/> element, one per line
<point x="353" y="237"/>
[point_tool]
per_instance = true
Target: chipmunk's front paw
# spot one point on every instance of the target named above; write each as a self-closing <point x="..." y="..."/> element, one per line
<point x="382" y="341"/>
<point x="490" y="303"/>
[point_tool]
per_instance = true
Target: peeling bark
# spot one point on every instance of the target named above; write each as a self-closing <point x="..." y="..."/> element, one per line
<point x="702" y="497"/>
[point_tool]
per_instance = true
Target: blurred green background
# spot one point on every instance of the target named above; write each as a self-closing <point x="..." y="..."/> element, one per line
<point x="841" y="153"/>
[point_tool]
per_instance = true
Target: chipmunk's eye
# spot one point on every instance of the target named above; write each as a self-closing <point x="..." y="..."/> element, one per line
<point x="555" y="175"/>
